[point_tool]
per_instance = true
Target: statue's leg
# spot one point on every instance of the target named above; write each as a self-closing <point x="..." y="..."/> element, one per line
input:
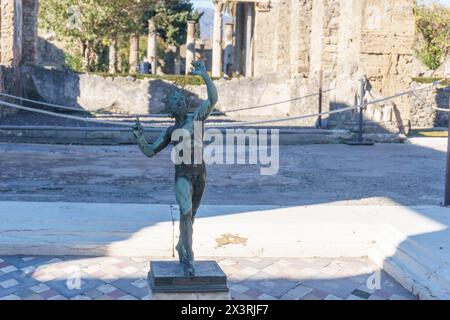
<point x="184" y="191"/>
<point x="199" y="188"/>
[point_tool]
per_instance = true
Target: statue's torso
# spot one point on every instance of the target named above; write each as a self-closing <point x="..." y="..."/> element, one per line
<point x="195" y="144"/>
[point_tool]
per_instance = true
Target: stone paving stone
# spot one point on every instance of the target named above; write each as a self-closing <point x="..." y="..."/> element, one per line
<point x="112" y="278"/>
<point x="361" y="294"/>
<point x="92" y="294"/>
<point x="68" y="291"/>
<point x="340" y="287"/>
<point x="273" y="287"/>
<point x="398" y="297"/>
<point x="331" y="297"/>
<point x="10" y="297"/>
<point x="297" y="293"/>
<point x="316" y="295"/>
<point x="9" y="283"/>
<point x="353" y="297"/>
<point x="128" y="286"/>
<point x="266" y="296"/>
<point x="81" y="297"/>
<point x="57" y="297"/>
<point x="238" y="288"/>
<point x="8" y="269"/>
<point x="33" y="297"/>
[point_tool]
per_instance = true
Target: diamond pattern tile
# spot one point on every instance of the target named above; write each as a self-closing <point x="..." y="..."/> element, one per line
<point x="114" y="278"/>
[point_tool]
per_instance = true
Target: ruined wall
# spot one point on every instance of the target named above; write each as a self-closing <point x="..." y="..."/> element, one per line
<point x="131" y="96"/>
<point x="388" y="34"/>
<point x="29" y="40"/>
<point x="423" y="114"/>
<point x="11" y="32"/>
<point x="346" y="39"/>
<point x="283" y="46"/>
<point x="18" y="43"/>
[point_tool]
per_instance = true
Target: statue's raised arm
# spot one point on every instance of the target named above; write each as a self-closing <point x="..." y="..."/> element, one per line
<point x="147" y="149"/>
<point x="205" y="109"/>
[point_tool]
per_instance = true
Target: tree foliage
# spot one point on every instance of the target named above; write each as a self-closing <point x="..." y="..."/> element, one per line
<point x="93" y="23"/>
<point x="171" y="19"/>
<point x="433" y="24"/>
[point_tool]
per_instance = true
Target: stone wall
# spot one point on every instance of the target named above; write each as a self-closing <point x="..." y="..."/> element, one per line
<point x="29" y="41"/>
<point x="131" y="96"/>
<point x="423" y="104"/>
<point x="11" y="32"/>
<point x="347" y="40"/>
<point x="92" y="92"/>
<point x="18" y="38"/>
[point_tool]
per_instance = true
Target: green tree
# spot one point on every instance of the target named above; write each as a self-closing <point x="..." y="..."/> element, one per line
<point x="433" y="24"/>
<point x="171" y="19"/>
<point x="92" y="23"/>
<point x="95" y="24"/>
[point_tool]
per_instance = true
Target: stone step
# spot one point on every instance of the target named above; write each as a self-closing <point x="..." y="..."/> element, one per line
<point x="414" y="266"/>
<point x="117" y="136"/>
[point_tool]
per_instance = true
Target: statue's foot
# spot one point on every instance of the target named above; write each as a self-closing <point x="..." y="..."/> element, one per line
<point x="181" y="254"/>
<point x="189" y="270"/>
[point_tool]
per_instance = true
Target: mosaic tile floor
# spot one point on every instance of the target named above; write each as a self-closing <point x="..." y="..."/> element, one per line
<point x="107" y="278"/>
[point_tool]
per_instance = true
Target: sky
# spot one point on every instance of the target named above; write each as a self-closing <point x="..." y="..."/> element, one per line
<point x="209" y="3"/>
<point x="206" y="3"/>
<point x="446" y="2"/>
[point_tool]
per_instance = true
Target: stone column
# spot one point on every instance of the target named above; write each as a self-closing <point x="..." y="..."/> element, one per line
<point x="113" y="56"/>
<point x="200" y="54"/>
<point x="228" y="53"/>
<point x="217" y="40"/>
<point x="239" y="38"/>
<point x="151" y="46"/>
<point x="29" y="40"/>
<point x="176" y="59"/>
<point x="190" y="46"/>
<point x="11" y="33"/>
<point x="134" y="53"/>
<point x="249" y="40"/>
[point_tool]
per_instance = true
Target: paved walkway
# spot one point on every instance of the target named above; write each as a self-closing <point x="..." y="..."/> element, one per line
<point x="108" y="278"/>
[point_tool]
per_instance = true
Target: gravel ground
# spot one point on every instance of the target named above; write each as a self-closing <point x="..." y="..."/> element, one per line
<point x="315" y="174"/>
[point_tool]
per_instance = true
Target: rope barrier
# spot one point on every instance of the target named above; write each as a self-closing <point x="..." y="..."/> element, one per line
<point x="42" y="103"/>
<point x="240" y="124"/>
<point x="315" y="115"/>
<point x="57" y="106"/>
<point x="277" y="103"/>
<point x="441" y="109"/>
<point x="66" y="116"/>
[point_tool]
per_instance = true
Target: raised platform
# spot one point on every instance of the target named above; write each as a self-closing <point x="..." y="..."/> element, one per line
<point x="123" y="135"/>
<point x="167" y="281"/>
<point x="410" y="243"/>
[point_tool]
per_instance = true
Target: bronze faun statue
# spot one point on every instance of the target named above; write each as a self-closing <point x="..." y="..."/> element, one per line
<point x="190" y="177"/>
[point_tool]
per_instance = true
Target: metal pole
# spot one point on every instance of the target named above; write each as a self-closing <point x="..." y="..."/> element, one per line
<point x="447" y="176"/>
<point x="319" y="124"/>
<point x="361" y="110"/>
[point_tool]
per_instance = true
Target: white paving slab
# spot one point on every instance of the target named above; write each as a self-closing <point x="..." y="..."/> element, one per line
<point x="411" y="243"/>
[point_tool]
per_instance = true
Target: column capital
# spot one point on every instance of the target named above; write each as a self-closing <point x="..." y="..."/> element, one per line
<point x="263" y="6"/>
<point x="219" y="4"/>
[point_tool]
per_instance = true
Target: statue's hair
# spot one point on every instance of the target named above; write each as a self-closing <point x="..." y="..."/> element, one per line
<point x="177" y="93"/>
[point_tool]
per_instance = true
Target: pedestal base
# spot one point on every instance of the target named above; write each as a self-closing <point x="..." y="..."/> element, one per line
<point x="168" y="282"/>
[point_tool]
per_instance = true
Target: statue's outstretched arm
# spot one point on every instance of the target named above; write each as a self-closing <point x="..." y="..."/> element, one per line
<point x="207" y="107"/>
<point x="153" y="149"/>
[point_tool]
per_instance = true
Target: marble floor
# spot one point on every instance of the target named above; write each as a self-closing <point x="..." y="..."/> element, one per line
<point x="111" y="278"/>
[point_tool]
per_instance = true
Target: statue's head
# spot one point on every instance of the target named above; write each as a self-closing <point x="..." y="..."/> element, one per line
<point x="177" y="103"/>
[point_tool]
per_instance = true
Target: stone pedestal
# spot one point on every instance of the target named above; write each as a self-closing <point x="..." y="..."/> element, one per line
<point x="168" y="282"/>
